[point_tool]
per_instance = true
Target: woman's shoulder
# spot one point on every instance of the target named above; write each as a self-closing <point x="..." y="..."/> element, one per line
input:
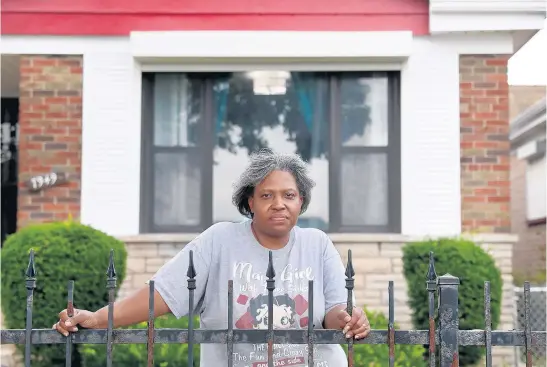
<point x="314" y="238"/>
<point x="210" y="240"/>
<point x="311" y="233"/>
<point x="222" y="229"/>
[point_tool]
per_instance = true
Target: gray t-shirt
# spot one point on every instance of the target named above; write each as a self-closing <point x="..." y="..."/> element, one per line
<point x="230" y="251"/>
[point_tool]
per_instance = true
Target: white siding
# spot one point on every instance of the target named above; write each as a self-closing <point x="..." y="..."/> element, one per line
<point x="111" y="142"/>
<point x="430" y="140"/>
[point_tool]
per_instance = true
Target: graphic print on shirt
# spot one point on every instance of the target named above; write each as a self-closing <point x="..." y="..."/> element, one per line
<point x="290" y="311"/>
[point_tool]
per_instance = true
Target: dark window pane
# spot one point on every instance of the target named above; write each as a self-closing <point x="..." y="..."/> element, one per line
<point x="177" y="110"/>
<point x="364" y="189"/>
<point x="177" y="189"/>
<point x="285" y="111"/>
<point x="364" y="109"/>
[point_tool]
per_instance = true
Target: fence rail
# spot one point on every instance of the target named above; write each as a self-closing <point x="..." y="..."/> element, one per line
<point x="446" y="335"/>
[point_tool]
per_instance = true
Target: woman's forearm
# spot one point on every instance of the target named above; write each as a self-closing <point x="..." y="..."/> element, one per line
<point x="132" y="310"/>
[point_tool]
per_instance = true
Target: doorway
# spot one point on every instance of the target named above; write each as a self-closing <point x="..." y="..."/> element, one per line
<point x="9" y="114"/>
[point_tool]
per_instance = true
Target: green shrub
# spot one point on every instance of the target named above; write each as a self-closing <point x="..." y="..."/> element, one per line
<point x="63" y="251"/>
<point x="367" y="355"/>
<point x="473" y="266"/>
<point x="165" y="355"/>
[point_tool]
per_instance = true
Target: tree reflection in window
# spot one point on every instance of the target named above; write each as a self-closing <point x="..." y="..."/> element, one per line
<point x="303" y="111"/>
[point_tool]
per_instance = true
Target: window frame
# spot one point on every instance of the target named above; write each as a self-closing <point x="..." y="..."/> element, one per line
<point x="204" y="150"/>
<point x="336" y="150"/>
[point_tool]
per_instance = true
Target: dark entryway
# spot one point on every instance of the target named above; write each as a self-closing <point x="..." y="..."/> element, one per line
<point x="10" y="132"/>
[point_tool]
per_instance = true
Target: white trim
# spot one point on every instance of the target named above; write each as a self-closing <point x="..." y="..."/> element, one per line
<point x="532" y="150"/>
<point x="61" y="45"/>
<point x="537" y="110"/>
<point x="283" y="65"/>
<point x="490" y="43"/>
<point x="485" y="15"/>
<point x="353" y="58"/>
<point x="322" y="46"/>
<point x="531" y="125"/>
<point x="487" y="6"/>
<point x="489" y="22"/>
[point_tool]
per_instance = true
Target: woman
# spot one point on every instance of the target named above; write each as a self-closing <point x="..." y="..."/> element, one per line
<point x="273" y="191"/>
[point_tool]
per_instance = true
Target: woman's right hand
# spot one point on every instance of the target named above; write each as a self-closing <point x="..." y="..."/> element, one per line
<point x="83" y="318"/>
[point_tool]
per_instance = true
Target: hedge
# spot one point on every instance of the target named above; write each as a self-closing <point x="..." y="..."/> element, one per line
<point x="473" y="266"/>
<point x="63" y="251"/>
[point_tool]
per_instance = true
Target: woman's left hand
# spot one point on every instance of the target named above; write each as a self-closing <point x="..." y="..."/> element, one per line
<point x="356" y="325"/>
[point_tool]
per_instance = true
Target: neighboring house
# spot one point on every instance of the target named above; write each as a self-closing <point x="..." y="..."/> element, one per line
<point x="528" y="190"/>
<point x="149" y="108"/>
<point x="523" y="96"/>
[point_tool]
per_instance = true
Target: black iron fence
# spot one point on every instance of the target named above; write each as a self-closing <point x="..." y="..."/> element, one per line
<point x="446" y="335"/>
<point x="537" y="319"/>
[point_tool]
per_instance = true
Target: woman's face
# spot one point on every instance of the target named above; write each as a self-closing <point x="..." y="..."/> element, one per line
<point x="276" y="204"/>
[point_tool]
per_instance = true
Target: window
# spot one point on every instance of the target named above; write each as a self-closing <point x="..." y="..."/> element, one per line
<point x="535" y="190"/>
<point x="199" y="129"/>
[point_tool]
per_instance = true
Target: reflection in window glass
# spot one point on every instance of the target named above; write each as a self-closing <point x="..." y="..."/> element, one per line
<point x="177" y="106"/>
<point x="367" y="202"/>
<point x="364" y="110"/>
<point x="280" y="110"/>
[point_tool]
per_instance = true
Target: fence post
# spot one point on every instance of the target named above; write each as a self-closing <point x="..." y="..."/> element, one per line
<point x="31" y="286"/>
<point x="111" y="288"/>
<point x="431" y="286"/>
<point x="448" y="320"/>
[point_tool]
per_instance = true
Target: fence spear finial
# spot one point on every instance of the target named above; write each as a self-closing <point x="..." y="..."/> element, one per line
<point x="431" y="274"/>
<point x="31" y="270"/>
<point x="270" y="272"/>
<point x="111" y="289"/>
<point x="111" y="271"/>
<point x="191" y="272"/>
<point x="191" y="285"/>
<point x="350" y="273"/>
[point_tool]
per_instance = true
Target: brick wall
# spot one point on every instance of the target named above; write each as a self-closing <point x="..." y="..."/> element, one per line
<point x="484" y="139"/>
<point x="50" y="122"/>
<point x="377" y="259"/>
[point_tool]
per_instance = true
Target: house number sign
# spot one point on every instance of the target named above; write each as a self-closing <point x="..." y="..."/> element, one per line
<point x="41" y="182"/>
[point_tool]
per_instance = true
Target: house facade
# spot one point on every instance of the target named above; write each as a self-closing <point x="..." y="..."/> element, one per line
<point x="528" y="185"/>
<point x="136" y="118"/>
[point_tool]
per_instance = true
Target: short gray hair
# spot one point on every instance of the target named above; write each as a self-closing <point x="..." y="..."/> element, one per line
<point x="262" y="163"/>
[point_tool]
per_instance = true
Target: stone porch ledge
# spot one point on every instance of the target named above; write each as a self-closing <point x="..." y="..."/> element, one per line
<point x="349" y="238"/>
